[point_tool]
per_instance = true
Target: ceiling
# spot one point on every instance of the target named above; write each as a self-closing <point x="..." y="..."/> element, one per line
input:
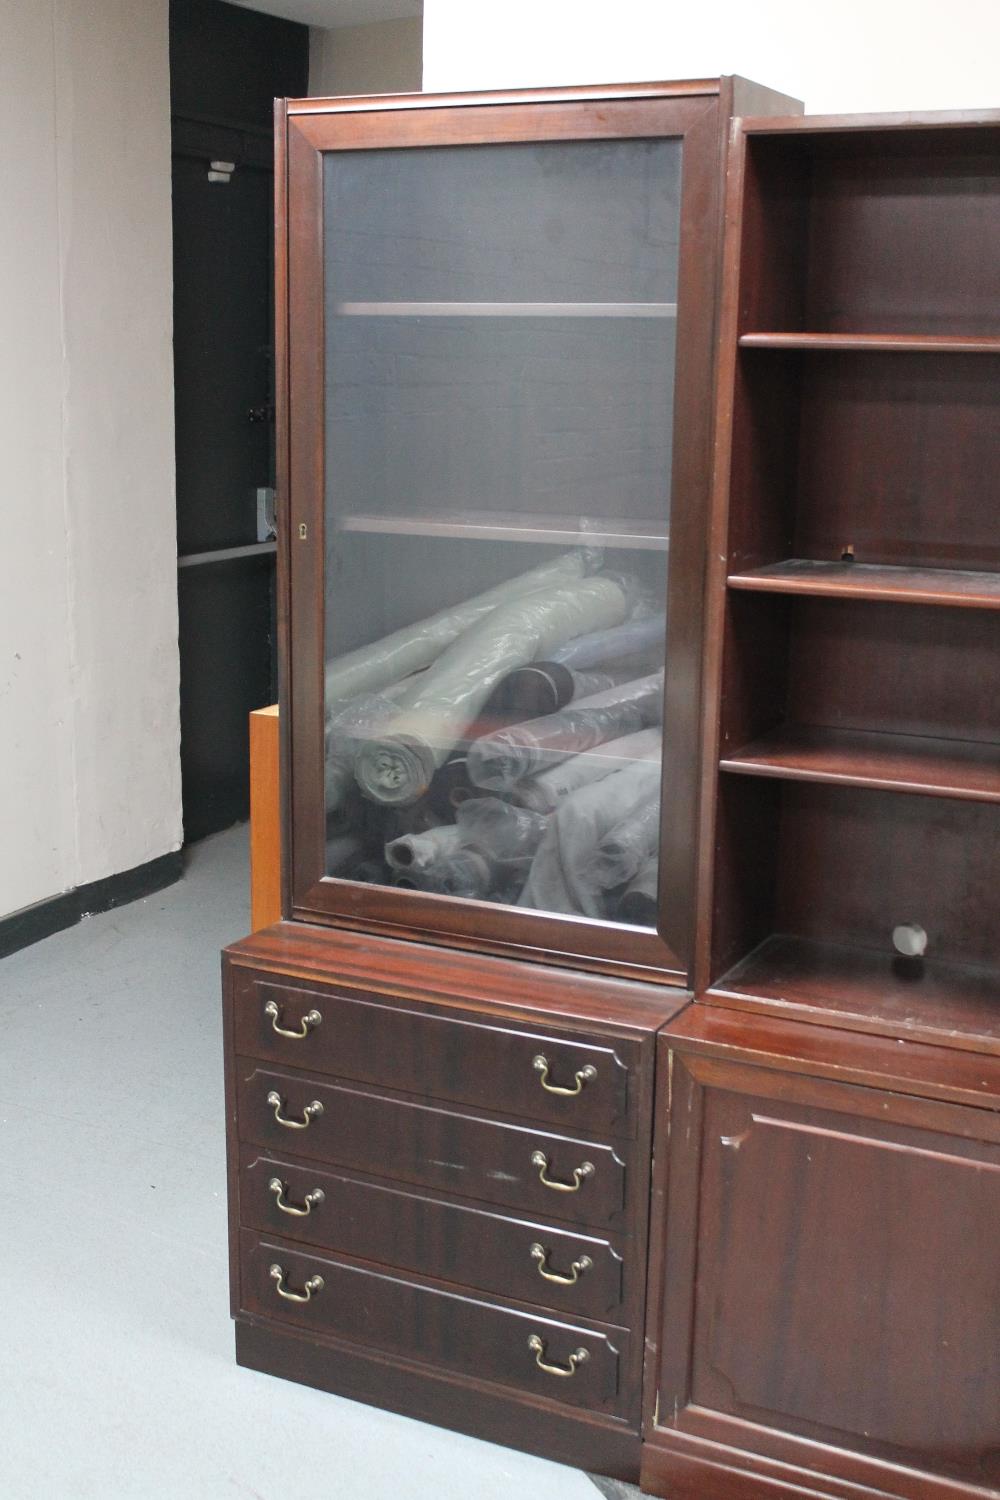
<point x="337" y="12"/>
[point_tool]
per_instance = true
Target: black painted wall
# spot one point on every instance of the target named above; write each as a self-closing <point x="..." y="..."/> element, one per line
<point x="227" y="65"/>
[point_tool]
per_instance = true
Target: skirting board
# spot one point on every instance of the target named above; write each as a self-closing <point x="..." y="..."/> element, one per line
<point x="32" y="923"/>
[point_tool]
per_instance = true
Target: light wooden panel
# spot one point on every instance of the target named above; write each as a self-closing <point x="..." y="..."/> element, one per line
<point x="265" y="819"/>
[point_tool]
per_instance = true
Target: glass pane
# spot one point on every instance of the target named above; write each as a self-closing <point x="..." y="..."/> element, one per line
<point x="500" y="332"/>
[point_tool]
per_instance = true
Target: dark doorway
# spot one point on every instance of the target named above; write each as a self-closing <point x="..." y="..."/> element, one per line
<point x="226" y="67"/>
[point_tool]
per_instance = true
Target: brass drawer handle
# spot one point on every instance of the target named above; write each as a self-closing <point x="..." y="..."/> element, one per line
<point x="311" y="1019"/>
<point x="541" y="1161"/>
<point x="581" y="1076"/>
<point x="311" y="1200"/>
<point x="309" y="1290"/>
<point x="539" y="1253"/>
<point x="308" y="1114"/>
<point x="537" y="1347"/>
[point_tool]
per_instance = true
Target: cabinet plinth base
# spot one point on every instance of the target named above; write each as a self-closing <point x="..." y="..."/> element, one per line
<point x="680" y="1466"/>
<point x="583" y="1441"/>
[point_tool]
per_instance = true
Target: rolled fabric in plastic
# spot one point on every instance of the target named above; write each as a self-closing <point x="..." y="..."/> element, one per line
<point x="559" y="879"/>
<point x="348" y="816"/>
<point x="469" y="873"/>
<point x="405" y="651"/>
<point x="542" y="687"/>
<point x="511" y="876"/>
<point x="450" y="787"/>
<point x="347" y="725"/>
<point x="600" y="647"/>
<point x="497" y="762"/>
<point x="489" y="848"/>
<point x="544" y="792"/>
<point x="416" y="852"/>
<point x="638" y="904"/>
<point x="397" y="765"/>
<point x="417" y="818"/>
<point x="621" y="854"/>
<point x="498" y="829"/>
<point x="341" y="715"/>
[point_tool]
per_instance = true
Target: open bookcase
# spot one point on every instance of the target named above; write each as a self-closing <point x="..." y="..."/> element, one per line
<point x="852" y="772"/>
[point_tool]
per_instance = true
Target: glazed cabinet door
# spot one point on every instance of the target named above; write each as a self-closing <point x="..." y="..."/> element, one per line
<point x="499" y="340"/>
<point x="831" y="1291"/>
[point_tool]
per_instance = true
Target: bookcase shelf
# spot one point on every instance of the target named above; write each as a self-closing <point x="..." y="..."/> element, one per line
<point x="879" y="343"/>
<point x="868" y="990"/>
<point x="843" y="757"/>
<point x="506" y="309"/>
<point x="511" y="526"/>
<point x="955" y="587"/>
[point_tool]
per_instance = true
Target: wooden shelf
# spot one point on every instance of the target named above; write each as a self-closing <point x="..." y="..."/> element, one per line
<point x="863" y="990"/>
<point x="506" y="309"/>
<point x="510" y="526"/>
<point x="894" y="762"/>
<point x="876" y="343"/>
<point x="947" y="586"/>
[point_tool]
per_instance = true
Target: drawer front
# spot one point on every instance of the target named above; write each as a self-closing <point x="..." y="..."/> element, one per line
<point x="474" y="1336"/>
<point x="575" y="1082"/>
<point x="535" y="1171"/>
<point x="513" y="1258"/>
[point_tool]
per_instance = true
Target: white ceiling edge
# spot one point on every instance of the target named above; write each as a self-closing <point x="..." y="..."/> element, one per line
<point x="330" y="13"/>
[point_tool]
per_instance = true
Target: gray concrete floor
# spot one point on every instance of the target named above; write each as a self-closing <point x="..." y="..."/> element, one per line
<point x="116" y="1354"/>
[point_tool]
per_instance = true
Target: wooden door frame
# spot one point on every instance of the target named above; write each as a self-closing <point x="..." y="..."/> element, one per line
<point x="697" y="114"/>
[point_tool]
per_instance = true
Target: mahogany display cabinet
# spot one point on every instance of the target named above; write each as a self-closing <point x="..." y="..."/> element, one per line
<point x="496" y="335"/>
<point x="622" y="1081"/>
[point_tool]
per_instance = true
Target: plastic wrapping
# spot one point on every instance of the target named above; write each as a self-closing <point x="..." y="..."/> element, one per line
<point x="623" y="852"/>
<point x="560" y="879"/>
<point x="417" y="852"/>
<point x="497" y="762"/>
<point x="635" y="638"/>
<point x="347" y="725"/>
<point x="348" y="816"/>
<point x="487" y="850"/>
<point x="638" y="904"/>
<point x="498" y="829"/>
<point x="544" y="792"/>
<point x="370" y="668"/>
<point x="397" y="765"/>
<point x="396" y="821"/>
<point x="467" y="873"/>
<point x="451" y="786"/>
<point x="541" y="687"/>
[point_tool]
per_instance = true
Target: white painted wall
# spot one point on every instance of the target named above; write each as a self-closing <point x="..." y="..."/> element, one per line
<point x="851" y="55"/>
<point x="384" y="57"/>
<point x="89" y="731"/>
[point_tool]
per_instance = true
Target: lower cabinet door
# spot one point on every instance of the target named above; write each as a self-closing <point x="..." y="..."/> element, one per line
<point x="830" y="1284"/>
<point x="537" y="1354"/>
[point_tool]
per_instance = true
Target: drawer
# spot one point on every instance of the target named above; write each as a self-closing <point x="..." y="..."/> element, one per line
<point x="370" y="1220"/>
<point x="465" y="1153"/>
<point x="448" y="1056"/>
<point x="472" y="1335"/>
